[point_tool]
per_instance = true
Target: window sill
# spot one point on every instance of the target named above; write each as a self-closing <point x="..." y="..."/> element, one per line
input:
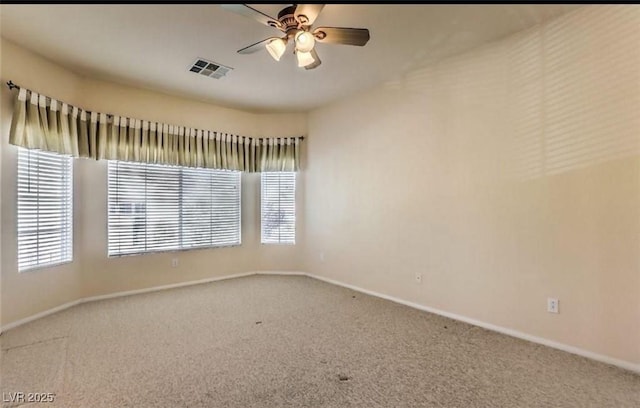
<point x="162" y="251"/>
<point x="44" y="266"/>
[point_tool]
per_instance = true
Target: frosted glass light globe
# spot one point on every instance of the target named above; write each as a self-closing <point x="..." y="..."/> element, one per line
<point x="305" y="41"/>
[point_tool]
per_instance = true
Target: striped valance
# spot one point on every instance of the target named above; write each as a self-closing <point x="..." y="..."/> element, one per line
<point x="40" y="122"/>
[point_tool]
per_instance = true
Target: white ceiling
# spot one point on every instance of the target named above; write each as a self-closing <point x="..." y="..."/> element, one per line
<point x="153" y="46"/>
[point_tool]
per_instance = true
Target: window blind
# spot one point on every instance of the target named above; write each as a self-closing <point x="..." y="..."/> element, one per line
<point x="45" y="209"/>
<point x="278" y="207"/>
<point x="158" y="208"/>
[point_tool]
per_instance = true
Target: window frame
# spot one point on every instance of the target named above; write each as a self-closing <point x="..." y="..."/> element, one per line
<point x="70" y="210"/>
<point x="180" y="226"/>
<point x="295" y="212"/>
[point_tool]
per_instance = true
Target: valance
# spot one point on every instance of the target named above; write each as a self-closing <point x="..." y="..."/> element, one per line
<point x="40" y="122"/>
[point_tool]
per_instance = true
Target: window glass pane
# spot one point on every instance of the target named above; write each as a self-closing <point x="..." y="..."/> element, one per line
<point x="157" y="208"/>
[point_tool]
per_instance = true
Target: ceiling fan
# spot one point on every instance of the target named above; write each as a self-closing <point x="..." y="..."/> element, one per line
<point x="295" y="22"/>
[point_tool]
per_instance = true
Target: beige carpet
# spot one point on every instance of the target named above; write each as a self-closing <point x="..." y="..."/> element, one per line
<point x="279" y="341"/>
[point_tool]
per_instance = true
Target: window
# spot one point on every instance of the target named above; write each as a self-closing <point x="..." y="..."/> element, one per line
<point x="278" y="207"/>
<point x="155" y="207"/>
<point x="45" y="209"/>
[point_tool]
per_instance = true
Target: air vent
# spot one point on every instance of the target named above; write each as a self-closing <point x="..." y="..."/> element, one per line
<point x="209" y="68"/>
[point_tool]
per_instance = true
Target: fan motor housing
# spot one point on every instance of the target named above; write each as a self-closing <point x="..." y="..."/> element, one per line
<point x="287" y="18"/>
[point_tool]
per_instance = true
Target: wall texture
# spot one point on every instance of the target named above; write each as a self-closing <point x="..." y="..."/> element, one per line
<point x="93" y="273"/>
<point x="25" y="294"/>
<point x="504" y="176"/>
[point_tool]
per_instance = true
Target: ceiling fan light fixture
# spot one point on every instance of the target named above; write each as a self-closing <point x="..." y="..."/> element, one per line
<point x="305" y="41"/>
<point x="305" y="58"/>
<point x="276" y="48"/>
<point x="295" y="22"/>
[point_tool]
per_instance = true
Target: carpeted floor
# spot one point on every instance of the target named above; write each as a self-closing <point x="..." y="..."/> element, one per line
<point x="289" y="341"/>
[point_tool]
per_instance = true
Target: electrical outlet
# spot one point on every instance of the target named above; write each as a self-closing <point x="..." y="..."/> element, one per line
<point x="553" y="305"/>
<point x="321" y="256"/>
<point x="174" y="263"/>
<point x="418" y="277"/>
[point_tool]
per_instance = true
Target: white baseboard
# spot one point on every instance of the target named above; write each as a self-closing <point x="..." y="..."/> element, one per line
<point x="510" y="332"/>
<point x="39" y="315"/>
<point x="281" y="273"/>
<point x="62" y="307"/>
<point x="164" y="287"/>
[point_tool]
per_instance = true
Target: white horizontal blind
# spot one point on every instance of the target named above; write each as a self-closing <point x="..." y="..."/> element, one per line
<point x="278" y="207"/>
<point x="157" y="208"/>
<point x="45" y="209"/>
<point x="210" y="207"/>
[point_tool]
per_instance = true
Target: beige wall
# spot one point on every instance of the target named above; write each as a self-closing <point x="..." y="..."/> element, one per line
<point x="24" y="294"/>
<point x="505" y="176"/>
<point x="92" y="272"/>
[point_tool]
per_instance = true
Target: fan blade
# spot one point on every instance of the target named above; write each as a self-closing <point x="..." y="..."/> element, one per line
<point x="260" y="45"/>
<point x="342" y="35"/>
<point x="307" y="13"/>
<point x="316" y="61"/>
<point x="250" y="12"/>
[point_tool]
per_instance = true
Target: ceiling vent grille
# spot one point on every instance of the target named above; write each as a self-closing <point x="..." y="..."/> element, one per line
<point x="209" y="68"/>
